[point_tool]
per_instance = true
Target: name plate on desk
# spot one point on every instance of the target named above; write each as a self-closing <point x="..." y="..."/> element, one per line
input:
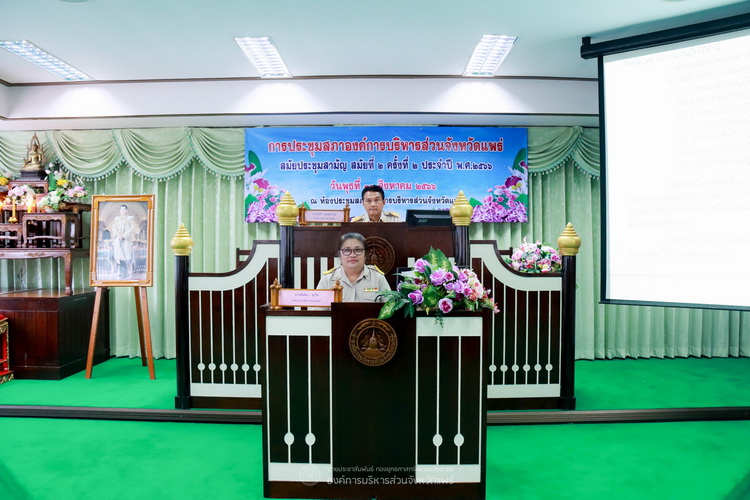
<point x="291" y="297"/>
<point x="320" y="216"/>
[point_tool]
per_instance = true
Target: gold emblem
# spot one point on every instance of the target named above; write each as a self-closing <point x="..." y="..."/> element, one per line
<point x="380" y="253"/>
<point x="373" y="342"/>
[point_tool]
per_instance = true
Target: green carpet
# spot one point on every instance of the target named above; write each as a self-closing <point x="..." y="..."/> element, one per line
<point x="600" y="385"/>
<point x="622" y="384"/>
<point x="116" y="383"/>
<point x="47" y="459"/>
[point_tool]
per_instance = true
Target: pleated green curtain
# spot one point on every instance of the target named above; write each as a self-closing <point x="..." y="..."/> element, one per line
<point x="196" y="175"/>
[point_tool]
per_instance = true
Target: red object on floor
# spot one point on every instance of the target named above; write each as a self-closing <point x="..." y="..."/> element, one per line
<point x="5" y="373"/>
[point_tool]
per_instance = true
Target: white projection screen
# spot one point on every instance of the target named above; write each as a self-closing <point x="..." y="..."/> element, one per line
<point x="676" y="173"/>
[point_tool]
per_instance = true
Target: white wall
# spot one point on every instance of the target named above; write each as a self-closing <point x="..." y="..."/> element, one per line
<point x="3" y="101"/>
<point x="321" y="101"/>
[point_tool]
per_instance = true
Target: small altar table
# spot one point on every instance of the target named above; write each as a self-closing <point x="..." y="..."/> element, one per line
<point x="60" y="229"/>
<point x="66" y="254"/>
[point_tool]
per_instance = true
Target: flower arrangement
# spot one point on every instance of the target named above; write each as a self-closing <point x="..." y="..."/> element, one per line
<point x="436" y="285"/>
<point x="51" y="201"/>
<point x="506" y="202"/>
<point x="21" y="194"/>
<point x="3" y="183"/>
<point x="502" y="204"/>
<point x="62" y="190"/>
<point x="261" y="197"/>
<point x="535" y="258"/>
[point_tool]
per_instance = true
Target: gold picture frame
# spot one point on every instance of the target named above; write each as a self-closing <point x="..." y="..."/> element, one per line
<point x="122" y="240"/>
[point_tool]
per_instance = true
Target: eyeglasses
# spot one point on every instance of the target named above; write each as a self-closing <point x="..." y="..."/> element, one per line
<point x="348" y="251"/>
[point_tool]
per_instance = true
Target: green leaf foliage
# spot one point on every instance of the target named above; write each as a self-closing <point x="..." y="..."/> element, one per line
<point x="254" y="163"/>
<point x="431" y="297"/>
<point x="387" y="310"/>
<point x="520" y="156"/>
<point x="438" y="260"/>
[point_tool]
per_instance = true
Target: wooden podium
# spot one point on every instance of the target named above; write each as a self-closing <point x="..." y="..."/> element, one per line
<point x="334" y="426"/>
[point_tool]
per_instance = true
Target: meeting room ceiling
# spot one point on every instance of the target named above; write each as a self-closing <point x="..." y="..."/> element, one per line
<point x="144" y="40"/>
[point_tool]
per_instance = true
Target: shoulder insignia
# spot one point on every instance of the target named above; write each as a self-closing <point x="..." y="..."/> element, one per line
<point x="376" y="268"/>
<point x="330" y="270"/>
<point x="357" y="218"/>
<point x="394" y="214"/>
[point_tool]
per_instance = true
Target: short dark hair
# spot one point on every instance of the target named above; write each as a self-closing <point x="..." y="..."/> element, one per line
<point x="373" y="189"/>
<point x="352" y="236"/>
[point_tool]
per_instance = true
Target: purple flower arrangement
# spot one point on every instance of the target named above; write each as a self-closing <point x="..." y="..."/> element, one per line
<point x="261" y="200"/>
<point x="506" y="202"/>
<point x="436" y="286"/>
<point x="535" y="258"/>
<point x="502" y="204"/>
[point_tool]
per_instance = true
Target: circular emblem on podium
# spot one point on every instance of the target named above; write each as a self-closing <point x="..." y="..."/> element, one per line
<point x="380" y="253"/>
<point x="373" y="342"/>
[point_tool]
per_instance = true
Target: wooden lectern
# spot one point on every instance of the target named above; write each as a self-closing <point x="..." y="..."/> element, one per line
<point x="336" y="424"/>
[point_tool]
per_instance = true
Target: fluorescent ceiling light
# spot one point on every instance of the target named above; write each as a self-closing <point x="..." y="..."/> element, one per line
<point x="43" y="59"/>
<point x="264" y="56"/>
<point x="489" y="54"/>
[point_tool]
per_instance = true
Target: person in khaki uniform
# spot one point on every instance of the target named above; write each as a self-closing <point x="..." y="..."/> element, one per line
<point x="373" y="201"/>
<point x="362" y="283"/>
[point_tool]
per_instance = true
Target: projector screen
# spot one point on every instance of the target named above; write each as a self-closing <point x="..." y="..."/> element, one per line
<point x="676" y="173"/>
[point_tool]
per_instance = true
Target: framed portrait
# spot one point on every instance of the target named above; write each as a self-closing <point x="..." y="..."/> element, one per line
<point x="122" y="240"/>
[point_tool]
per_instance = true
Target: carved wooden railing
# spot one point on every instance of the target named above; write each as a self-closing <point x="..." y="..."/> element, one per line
<point x="531" y="348"/>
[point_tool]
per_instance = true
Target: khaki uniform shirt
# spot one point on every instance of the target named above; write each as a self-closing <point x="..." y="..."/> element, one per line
<point x="368" y="286"/>
<point x="384" y="217"/>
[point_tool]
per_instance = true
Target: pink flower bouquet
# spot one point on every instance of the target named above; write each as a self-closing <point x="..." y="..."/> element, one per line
<point x="436" y="286"/>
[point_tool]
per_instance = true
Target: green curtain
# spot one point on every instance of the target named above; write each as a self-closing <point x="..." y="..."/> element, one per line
<point x="196" y="175"/>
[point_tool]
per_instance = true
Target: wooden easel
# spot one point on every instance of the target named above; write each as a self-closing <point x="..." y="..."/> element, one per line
<point x="144" y="329"/>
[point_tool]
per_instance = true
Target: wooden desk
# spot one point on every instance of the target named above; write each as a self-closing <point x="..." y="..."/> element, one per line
<point x="51" y="332"/>
<point x="66" y="254"/>
<point x="337" y="427"/>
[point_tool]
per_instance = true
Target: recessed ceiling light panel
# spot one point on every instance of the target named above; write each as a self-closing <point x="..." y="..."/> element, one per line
<point x="264" y="56"/>
<point x="489" y="54"/>
<point x="43" y="59"/>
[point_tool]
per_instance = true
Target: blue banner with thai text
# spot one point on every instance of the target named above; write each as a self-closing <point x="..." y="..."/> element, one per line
<point x="417" y="167"/>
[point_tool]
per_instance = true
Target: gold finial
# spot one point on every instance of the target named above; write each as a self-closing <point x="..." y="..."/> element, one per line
<point x="569" y="242"/>
<point x="181" y="242"/>
<point x="287" y="210"/>
<point x="461" y="211"/>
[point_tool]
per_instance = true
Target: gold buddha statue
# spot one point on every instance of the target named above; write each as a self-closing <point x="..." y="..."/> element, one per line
<point x="33" y="164"/>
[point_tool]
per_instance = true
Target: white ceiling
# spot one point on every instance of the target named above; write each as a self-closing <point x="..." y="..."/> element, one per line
<point x="127" y="40"/>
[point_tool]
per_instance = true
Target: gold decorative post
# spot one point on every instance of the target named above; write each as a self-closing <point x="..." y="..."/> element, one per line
<point x="182" y="246"/>
<point x="181" y="242"/>
<point x="569" y="242"/>
<point x="286" y="212"/>
<point x="461" y="211"/>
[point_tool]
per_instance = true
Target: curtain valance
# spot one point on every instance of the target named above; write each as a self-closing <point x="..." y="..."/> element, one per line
<point x="161" y="153"/>
<point x="157" y="154"/>
<point x="549" y="147"/>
